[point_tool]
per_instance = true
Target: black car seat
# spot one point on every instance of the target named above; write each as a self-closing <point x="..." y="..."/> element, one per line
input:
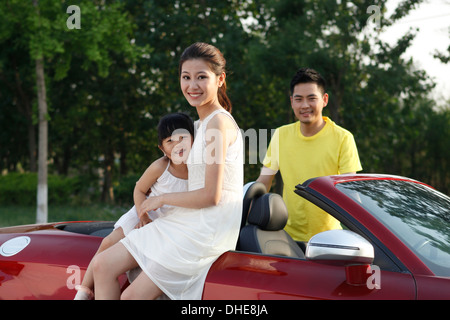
<point x="252" y="191"/>
<point x="264" y="232"/>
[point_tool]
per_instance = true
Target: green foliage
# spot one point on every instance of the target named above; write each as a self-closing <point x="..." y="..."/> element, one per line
<point x="123" y="189"/>
<point x="13" y="215"/>
<point x="20" y="189"/>
<point x="109" y="82"/>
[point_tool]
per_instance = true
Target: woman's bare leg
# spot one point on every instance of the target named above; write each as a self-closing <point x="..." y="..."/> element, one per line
<point x="107" y="267"/>
<point x="107" y="242"/>
<point x="86" y="290"/>
<point x="142" y="288"/>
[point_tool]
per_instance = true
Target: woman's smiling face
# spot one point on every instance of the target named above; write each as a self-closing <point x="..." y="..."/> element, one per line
<point x="199" y="84"/>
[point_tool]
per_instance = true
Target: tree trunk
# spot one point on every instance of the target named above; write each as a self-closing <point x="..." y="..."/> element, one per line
<point x="42" y="190"/>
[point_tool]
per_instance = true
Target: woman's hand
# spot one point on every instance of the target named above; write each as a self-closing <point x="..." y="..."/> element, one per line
<point x="150" y="204"/>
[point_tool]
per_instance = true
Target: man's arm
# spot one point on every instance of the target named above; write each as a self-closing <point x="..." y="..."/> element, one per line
<point x="266" y="177"/>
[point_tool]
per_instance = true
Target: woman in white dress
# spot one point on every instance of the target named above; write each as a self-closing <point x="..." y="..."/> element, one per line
<point x="176" y="251"/>
<point x="166" y="174"/>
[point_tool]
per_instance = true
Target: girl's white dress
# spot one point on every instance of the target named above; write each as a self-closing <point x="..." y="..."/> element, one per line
<point x="176" y="250"/>
<point x="166" y="183"/>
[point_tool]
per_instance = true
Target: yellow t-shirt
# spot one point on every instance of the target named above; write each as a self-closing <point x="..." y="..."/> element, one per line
<point x="331" y="151"/>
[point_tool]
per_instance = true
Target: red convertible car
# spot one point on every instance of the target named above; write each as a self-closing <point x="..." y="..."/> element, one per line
<point x="394" y="244"/>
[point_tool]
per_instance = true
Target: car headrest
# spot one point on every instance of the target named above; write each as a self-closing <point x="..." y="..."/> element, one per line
<point x="252" y="191"/>
<point x="268" y="212"/>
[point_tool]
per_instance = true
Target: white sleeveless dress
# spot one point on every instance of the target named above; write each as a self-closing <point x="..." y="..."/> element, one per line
<point x="166" y="183"/>
<point x="176" y="250"/>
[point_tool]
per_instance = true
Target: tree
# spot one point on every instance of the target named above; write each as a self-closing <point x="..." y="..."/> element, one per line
<point x="105" y="95"/>
<point x="109" y="82"/>
<point x="45" y="37"/>
<point x="42" y="188"/>
<point x="372" y="88"/>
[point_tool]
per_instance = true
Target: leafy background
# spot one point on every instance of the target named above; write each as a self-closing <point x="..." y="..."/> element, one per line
<point x="109" y="82"/>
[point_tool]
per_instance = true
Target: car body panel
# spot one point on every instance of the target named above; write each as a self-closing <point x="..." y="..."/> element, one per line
<point x="50" y="266"/>
<point x="56" y="259"/>
<point x="249" y="276"/>
<point x="432" y="288"/>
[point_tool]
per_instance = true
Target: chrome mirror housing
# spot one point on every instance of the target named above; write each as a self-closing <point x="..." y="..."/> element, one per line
<point x="342" y="247"/>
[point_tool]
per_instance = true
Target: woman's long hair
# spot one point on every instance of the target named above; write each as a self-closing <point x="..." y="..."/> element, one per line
<point x="216" y="62"/>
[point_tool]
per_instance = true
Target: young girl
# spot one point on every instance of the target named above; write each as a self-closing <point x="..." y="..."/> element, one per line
<point x="176" y="251"/>
<point x="167" y="174"/>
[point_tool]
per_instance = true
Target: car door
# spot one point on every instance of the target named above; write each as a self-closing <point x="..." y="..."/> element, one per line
<point x="238" y="275"/>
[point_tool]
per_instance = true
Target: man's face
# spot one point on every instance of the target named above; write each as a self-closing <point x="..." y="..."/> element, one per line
<point x="307" y="101"/>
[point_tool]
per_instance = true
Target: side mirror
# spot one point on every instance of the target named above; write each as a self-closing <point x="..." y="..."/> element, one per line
<point x="339" y="247"/>
<point x="343" y="247"/>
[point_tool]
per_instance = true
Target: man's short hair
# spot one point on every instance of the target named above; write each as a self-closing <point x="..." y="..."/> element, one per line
<point x="308" y="75"/>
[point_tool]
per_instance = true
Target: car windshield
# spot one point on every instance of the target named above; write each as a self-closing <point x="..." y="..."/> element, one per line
<point x="416" y="214"/>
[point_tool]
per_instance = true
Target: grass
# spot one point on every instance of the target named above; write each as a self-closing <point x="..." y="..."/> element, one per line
<point x="20" y="215"/>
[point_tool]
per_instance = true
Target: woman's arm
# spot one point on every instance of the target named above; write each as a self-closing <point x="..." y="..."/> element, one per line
<point x="220" y="134"/>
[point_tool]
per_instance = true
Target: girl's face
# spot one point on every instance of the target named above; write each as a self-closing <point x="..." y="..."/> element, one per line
<point x="177" y="146"/>
<point x="199" y="84"/>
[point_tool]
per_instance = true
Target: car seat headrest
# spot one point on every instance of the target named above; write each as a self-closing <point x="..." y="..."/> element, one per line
<point x="268" y="212"/>
<point x="252" y="191"/>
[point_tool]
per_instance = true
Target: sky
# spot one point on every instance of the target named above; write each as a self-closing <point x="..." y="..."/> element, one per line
<point x="432" y="17"/>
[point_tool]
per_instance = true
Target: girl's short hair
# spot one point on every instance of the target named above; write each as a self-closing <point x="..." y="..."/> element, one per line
<point x="174" y="121"/>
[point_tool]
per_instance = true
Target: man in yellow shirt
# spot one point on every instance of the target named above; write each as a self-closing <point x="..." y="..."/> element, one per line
<point x="311" y="147"/>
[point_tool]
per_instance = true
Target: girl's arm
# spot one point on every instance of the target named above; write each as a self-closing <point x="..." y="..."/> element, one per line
<point x="146" y="181"/>
<point x="221" y="132"/>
